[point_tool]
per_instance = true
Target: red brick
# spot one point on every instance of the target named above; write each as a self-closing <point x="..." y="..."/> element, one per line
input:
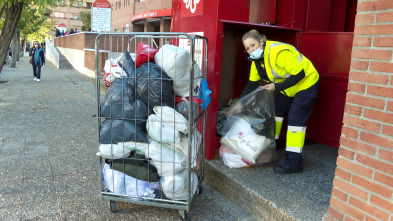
<point x="347" y="209"/>
<point x="390" y="106"/>
<point x="350" y="219"/>
<point x="361" y="123"/>
<point x="372" y="54"/>
<point x="382" y="66"/>
<point x="385" y="16"/>
<point x="378" y="115"/>
<point x="374" y="5"/>
<point x="364" y="18"/>
<point x="358" y="146"/>
<point x="374" y="163"/>
<point x="343" y="174"/>
<point x="386" y="155"/>
<point x="335" y="213"/>
<point x="339" y="194"/>
<point x="356" y="87"/>
<point x="383" y="42"/>
<point x="369" y="218"/>
<point x="380" y="91"/>
<point x="344" y="152"/>
<point x="359" y="65"/>
<point x="378" y="140"/>
<point x="368" y="77"/>
<point x="383" y="203"/>
<point x="350" y="188"/>
<point x="349" y="132"/>
<point x="374" y="30"/>
<point x="369" y="209"/>
<point x="382" y="178"/>
<point x="355" y="110"/>
<point x="387" y="130"/>
<point x="372" y="186"/>
<point x="362" y="42"/>
<point x="354" y="167"/>
<point x="365" y="101"/>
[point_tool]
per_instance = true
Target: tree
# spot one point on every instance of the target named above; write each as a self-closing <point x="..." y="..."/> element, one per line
<point x="10" y="12"/>
<point x="85" y="17"/>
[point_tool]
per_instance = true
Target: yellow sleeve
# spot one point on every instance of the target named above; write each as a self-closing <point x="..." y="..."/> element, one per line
<point x="254" y="76"/>
<point x="287" y="61"/>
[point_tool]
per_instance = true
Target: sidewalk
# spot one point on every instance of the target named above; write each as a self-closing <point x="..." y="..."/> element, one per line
<point x="48" y="145"/>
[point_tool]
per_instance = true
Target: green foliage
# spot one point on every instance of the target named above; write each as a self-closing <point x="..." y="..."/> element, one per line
<point x="85" y="17"/>
<point x="34" y="25"/>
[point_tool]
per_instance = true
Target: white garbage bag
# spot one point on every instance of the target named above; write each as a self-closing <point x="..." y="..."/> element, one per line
<point x="176" y="62"/>
<point x="161" y="131"/>
<point x="113" y="151"/>
<point x="172" y="118"/>
<point x="175" y="187"/>
<point x="113" y="69"/>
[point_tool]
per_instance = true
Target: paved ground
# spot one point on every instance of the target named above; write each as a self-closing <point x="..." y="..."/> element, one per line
<point x="48" y="142"/>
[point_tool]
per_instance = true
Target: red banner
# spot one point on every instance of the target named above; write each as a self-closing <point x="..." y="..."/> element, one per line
<point x="102" y="4"/>
<point x="152" y="14"/>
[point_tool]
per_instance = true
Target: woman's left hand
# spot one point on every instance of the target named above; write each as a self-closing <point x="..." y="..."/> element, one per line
<point x="269" y="87"/>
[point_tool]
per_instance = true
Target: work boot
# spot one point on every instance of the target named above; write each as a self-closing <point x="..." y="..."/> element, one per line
<point x="284" y="169"/>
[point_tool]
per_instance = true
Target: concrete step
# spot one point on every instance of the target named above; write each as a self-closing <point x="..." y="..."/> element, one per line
<point x="269" y="196"/>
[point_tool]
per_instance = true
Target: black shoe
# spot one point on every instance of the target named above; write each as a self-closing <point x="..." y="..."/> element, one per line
<point x="284" y="169"/>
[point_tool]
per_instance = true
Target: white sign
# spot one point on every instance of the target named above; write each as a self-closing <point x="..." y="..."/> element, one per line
<point x="101" y="16"/>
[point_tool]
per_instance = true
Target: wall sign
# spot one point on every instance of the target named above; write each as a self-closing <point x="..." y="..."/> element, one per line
<point x="101" y="16"/>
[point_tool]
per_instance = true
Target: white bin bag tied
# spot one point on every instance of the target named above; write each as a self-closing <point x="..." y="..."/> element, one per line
<point x="195" y="144"/>
<point x="172" y="118"/>
<point x="139" y="147"/>
<point x="113" y="68"/>
<point x="175" y="187"/>
<point x="176" y="62"/>
<point x="242" y="139"/>
<point x="113" y="151"/>
<point x="122" y="184"/>
<point x="167" y="159"/>
<point x="161" y="131"/>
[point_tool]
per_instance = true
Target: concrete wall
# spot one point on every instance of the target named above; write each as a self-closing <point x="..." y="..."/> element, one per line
<point x="363" y="183"/>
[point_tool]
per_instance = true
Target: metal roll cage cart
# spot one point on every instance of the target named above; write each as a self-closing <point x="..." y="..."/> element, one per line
<point x="117" y="185"/>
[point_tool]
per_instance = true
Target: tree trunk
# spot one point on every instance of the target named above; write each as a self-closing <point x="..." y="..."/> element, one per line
<point x="20" y="54"/>
<point x="14" y="49"/>
<point x="13" y="12"/>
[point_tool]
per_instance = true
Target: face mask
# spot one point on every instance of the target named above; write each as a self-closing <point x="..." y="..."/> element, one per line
<point x="256" y="54"/>
<point x="36" y="46"/>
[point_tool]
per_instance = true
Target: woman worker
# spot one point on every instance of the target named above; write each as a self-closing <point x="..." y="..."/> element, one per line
<point x="291" y="74"/>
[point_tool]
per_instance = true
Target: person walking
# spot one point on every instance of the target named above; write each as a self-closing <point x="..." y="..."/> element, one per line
<point x="38" y="59"/>
<point x="287" y="71"/>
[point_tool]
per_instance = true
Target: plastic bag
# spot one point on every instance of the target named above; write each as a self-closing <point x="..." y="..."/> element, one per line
<point x="175" y="187"/>
<point x="167" y="159"/>
<point x="144" y="53"/>
<point x="114" y="131"/>
<point x="231" y="159"/>
<point x="154" y="86"/>
<point x="161" y="131"/>
<point x="122" y="184"/>
<point x="251" y="131"/>
<point x="113" y="151"/>
<point x="172" y="118"/>
<point x="204" y="94"/>
<point x="113" y="70"/>
<point x="138" y="147"/>
<point x="128" y="65"/>
<point x="183" y="106"/>
<point x="177" y="63"/>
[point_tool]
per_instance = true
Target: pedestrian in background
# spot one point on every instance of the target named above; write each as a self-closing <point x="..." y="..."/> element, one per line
<point x="38" y="59"/>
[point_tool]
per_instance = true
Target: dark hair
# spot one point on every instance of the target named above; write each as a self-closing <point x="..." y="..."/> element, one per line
<point x="255" y="35"/>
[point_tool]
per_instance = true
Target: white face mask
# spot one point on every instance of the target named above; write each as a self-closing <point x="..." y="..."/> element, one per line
<point x="256" y="54"/>
<point x="36" y="46"/>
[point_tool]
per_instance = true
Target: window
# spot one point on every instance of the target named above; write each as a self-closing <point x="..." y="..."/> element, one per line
<point x="77" y="4"/>
<point x="141" y="0"/>
<point x="76" y="17"/>
<point x="58" y="14"/>
<point x="89" y="4"/>
<point x="126" y="3"/>
<point x="118" y="5"/>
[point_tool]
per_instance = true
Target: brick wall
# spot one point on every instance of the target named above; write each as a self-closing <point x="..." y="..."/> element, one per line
<point x="363" y="183"/>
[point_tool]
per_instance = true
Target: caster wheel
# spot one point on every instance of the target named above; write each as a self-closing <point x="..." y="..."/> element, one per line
<point x="185" y="216"/>
<point x="112" y="206"/>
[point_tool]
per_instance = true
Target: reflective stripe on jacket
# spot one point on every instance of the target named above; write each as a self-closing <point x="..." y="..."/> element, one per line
<point x="278" y="74"/>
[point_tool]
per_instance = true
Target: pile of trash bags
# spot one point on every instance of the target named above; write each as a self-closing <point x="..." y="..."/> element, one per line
<point x="144" y="133"/>
<point x="248" y="135"/>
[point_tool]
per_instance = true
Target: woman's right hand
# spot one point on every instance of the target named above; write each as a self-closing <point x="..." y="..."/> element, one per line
<point x="235" y="109"/>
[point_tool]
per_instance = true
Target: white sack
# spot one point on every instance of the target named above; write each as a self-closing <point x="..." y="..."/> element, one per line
<point x="195" y="144"/>
<point x="175" y="187"/>
<point x="122" y="184"/>
<point x="231" y="159"/>
<point x="161" y="131"/>
<point x="137" y="146"/>
<point x="242" y="139"/>
<point x="113" y="151"/>
<point x="112" y="67"/>
<point x="167" y="159"/>
<point x="172" y="118"/>
<point x="176" y="62"/>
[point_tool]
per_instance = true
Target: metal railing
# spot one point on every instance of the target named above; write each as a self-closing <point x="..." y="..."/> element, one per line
<point x="52" y="54"/>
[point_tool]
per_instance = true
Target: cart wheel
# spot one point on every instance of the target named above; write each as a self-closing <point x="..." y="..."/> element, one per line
<point x="112" y="206"/>
<point x="185" y="216"/>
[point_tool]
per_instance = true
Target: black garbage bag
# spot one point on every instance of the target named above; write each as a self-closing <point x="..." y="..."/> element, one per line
<point x="115" y="131"/>
<point x="154" y="87"/>
<point x="127" y="64"/>
<point x="139" y="113"/>
<point x="117" y="103"/>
